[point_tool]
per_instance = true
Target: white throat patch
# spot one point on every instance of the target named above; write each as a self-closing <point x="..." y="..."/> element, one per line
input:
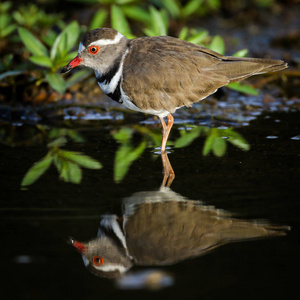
<point x="110" y="87"/>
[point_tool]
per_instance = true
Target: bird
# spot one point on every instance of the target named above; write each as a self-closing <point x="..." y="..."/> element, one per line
<point x="162" y="227"/>
<point x="158" y="75"/>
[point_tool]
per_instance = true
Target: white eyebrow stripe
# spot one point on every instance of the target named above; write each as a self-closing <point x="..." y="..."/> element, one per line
<point x="104" y="42"/>
<point x="80" y="48"/>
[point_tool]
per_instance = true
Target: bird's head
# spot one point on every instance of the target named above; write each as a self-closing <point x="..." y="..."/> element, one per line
<point x="103" y="257"/>
<point x="99" y="49"/>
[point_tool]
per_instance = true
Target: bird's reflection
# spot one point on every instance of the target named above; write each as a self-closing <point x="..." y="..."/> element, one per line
<point x="161" y="228"/>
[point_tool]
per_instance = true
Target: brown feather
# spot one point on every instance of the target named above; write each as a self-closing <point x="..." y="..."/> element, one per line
<point x="164" y="72"/>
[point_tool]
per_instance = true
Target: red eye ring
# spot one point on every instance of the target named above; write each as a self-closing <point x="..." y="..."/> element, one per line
<point x="94" y="49"/>
<point x="97" y="260"/>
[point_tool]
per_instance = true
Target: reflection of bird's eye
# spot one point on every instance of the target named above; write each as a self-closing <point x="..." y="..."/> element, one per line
<point x="97" y="260"/>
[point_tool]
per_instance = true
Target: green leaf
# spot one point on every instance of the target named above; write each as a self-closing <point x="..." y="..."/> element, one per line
<point x="198" y="37"/>
<point x="158" y="21"/>
<point x="43" y="61"/>
<point x="217" y="44"/>
<point x="243" y="88"/>
<point x="172" y="7"/>
<point x="241" y="53"/>
<point x="183" y="33"/>
<point x="125" y="156"/>
<point x="7" y="30"/>
<point x="98" y="19"/>
<point x="70" y="172"/>
<point x="188" y="137"/>
<point x="119" y="21"/>
<point x="65" y="41"/>
<point x="37" y="170"/>
<point x="81" y="159"/>
<point x="57" y="82"/>
<point x="219" y="146"/>
<point x="58" y="142"/>
<point x="137" y="13"/>
<point x="123" y="135"/>
<point x="208" y="144"/>
<point x="32" y="43"/>
<point x="191" y="7"/>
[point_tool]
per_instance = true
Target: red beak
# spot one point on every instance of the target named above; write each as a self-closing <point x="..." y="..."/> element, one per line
<point x="79" y="246"/>
<point x="72" y="64"/>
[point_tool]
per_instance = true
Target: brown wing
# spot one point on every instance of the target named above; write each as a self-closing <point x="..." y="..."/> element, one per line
<point x="164" y="72"/>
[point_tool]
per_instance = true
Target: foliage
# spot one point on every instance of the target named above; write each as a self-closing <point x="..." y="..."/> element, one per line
<point x="56" y="57"/>
<point x="216" y="140"/>
<point x="50" y="41"/>
<point x="6" y="24"/>
<point x="69" y="164"/>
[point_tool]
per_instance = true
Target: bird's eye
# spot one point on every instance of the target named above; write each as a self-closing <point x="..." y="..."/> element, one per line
<point x="93" y="49"/>
<point x="97" y="260"/>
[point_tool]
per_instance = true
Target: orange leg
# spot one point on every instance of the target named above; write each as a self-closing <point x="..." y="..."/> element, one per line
<point x="166" y="128"/>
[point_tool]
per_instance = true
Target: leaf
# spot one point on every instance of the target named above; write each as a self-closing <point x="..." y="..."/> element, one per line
<point x="7" y="30"/>
<point x="125" y="156"/>
<point x="31" y="43"/>
<point x="65" y="41"/>
<point x="57" y="82"/>
<point x="37" y="170"/>
<point x="243" y="88"/>
<point x="191" y="7"/>
<point x="59" y="142"/>
<point x="187" y="138"/>
<point x="70" y="172"/>
<point x="241" y="53"/>
<point x="43" y="61"/>
<point x="98" y="19"/>
<point x="81" y="159"/>
<point x="172" y="7"/>
<point x="217" y="44"/>
<point x="237" y="140"/>
<point x="158" y="23"/>
<point x="137" y="13"/>
<point x="198" y="37"/>
<point x="123" y="135"/>
<point x="208" y="144"/>
<point x="183" y="33"/>
<point x="119" y="21"/>
<point x="219" y="146"/>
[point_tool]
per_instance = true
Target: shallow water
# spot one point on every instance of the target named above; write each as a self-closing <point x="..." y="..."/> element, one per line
<point x="262" y="183"/>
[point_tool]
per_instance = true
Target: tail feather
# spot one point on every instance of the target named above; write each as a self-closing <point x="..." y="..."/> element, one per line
<point x="238" y="68"/>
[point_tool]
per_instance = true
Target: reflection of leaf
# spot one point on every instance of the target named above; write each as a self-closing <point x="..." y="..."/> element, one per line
<point x="219" y="146"/>
<point x="237" y="140"/>
<point x="208" y="144"/>
<point x="125" y="156"/>
<point x="188" y="137"/>
<point x="61" y="141"/>
<point x="37" y="170"/>
<point x="123" y="135"/>
<point x="70" y="172"/>
<point x="81" y="159"/>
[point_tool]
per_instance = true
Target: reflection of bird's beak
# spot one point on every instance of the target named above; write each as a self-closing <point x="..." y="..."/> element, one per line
<point x="72" y="64"/>
<point x="79" y="246"/>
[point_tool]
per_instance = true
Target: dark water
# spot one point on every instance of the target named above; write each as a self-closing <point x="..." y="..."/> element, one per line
<point x="262" y="183"/>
